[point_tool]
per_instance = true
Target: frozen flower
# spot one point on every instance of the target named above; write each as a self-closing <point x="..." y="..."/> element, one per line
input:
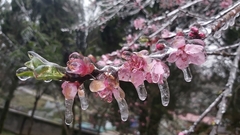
<point x="167" y="34"/>
<point x="181" y="133"/>
<point x="186" y="53"/>
<point x="226" y="3"/>
<point x="78" y="64"/>
<point x="69" y="89"/>
<point x="107" y="85"/>
<point x="140" y="67"/>
<point x="139" y="23"/>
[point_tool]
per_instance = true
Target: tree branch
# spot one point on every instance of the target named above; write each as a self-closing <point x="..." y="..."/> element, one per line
<point x="227" y="94"/>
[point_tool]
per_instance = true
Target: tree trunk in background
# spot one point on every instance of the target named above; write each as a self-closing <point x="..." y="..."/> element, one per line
<point x="12" y="83"/>
<point x="39" y="93"/>
<point x="33" y="112"/>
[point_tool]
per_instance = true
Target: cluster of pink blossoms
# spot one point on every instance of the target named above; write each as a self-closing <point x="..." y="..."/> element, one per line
<point x="139" y="67"/>
<point x="186" y="53"/>
<point x="139" y="23"/>
<point x="135" y="67"/>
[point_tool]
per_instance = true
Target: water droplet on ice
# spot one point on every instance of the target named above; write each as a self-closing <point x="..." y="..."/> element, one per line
<point x="165" y="94"/>
<point x="83" y="99"/>
<point x="20" y="71"/>
<point x="68" y="111"/>
<point x="187" y="74"/>
<point x="47" y="81"/>
<point x="123" y="107"/>
<point x="142" y="92"/>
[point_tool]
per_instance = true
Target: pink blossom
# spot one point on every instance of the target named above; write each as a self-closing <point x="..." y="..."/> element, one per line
<point x="107" y="86"/>
<point x="167" y="34"/>
<point x="186" y="54"/>
<point x="133" y="69"/>
<point x="78" y="64"/>
<point x="140" y="67"/>
<point x="139" y="23"/>
<point x="181" y="133"/>
<point x="129" y="38"/>
<point x="226" y="3"/>
<point x="69" y="89"/>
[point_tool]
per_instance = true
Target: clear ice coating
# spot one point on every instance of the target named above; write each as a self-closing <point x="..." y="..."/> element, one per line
<point x="142" y="92"/>
<point x="20" y="72"/>
<point x="164" y="91"/>
<point x="232" y="21"/>
<point x="47" y="81"/>
<point x="223" y="107"/>
<point x="68" y="111"/>
<point x="225" y="27"/>
<point x="187" y="74"/>
<point x="218" y="34"/>
<point x="83" y="98"/>
<point x="123" y="107"/>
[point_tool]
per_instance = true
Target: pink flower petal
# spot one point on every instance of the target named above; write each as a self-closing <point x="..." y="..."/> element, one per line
<point x="137" y="78"/>
<point x="158" y="68"/>
<point x="124" y="74"/>
<point x="149" y="78"/>
<point x="167" y="34"/>
<point x="197" y="59"/>
<point x="172" y="57"/>
<point x="139" y="23"/>
<point x="96" y="86"/>
<point x="182" y="64"/>
<point x="178" y="42"/>
<point x="155" y="77"/>
<point x="193" y="49"/>
<point x="69" y="90"/>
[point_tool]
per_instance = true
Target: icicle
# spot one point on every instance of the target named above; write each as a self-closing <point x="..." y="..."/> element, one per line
<point x="123" y="107"/>
<point x="20" y="73"/>
<point x="164" y="91"/>
<point x="142" y="92"/>
<point x="83" y="98"/>
<point x="47" y="81"/>
<point x="187" y="74"/>
<point x="68" y="111"/>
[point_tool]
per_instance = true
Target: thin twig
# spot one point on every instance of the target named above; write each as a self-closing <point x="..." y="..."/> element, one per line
<point x="222" y="97"/>
<point x="227" y="93"/>
<point x="224" y="54"/>
<point x="227" y="47"/>
<point x="213" y="104"/>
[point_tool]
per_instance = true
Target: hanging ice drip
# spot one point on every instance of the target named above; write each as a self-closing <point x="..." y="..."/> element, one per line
<point x="107" y="86"/>
<point x="82" y="97"/>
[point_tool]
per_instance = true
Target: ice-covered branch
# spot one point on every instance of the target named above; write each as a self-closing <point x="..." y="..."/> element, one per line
<point x="224" y="54"/>
<point x="174" y="12"/>
<point x="223" y="98"/>
<point x="227" y="94"/>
